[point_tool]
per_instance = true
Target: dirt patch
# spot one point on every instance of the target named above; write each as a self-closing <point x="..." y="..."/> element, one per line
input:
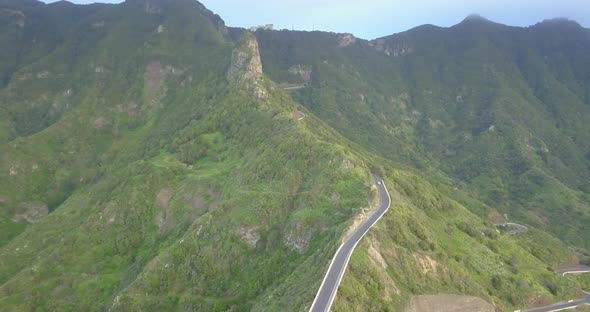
<point x="426" y="264"/>
<point x="537" y="217"/>
<point x="132" y="109"/>
<point x="496" y="217"/>
<point x="163" y="198"/>
<point x="248" y="235"/>
<point x="298" y="237"/>
<point x="376" y="256"/>
<point x="99" y="122"/>
<point x="572" y="262"/>
<point x="303" y="71"/>
<point x="448" y="303"/>
<point x="540" y="301"/>
<point x="356" y="222"/>
<point x="347" y="164"/>
<point x="152" y="264"/>
<point x="163" y="201"/>
<point x="154" y="77"/>
<point x="44" y="74"/>
<point x="346" y="40"/>
<point x="14" y="16"/>
<point x="31" y="212"/>
<point x="197" y="204"/>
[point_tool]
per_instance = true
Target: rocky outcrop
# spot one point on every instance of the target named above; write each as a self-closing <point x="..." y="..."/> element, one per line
<point x="393" y="48"/>
<point x="31" y="212"/>
<point x="249" y="235"/>
<point x="303" y="71"/>
<point x="246" y="66"/>
<point x="18" y="18"/>
<point x="298" y="237"/>
<point x="346" y="40"/>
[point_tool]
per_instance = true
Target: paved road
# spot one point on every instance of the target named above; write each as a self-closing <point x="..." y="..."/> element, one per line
<point x="327" y="292"/>
<point x="578" y="270"/>
<point x="294" y="87"/>
<point x="300" y="115"/>
<point x="519" y="228"/>
<point x="563" y="305"/>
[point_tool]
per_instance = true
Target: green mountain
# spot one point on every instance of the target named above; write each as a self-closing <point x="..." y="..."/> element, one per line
<point x="502" y="113"/>
<point x="150" y="159"/>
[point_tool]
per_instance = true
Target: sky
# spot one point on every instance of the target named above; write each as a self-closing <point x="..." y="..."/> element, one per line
<point x="371" y="19"/>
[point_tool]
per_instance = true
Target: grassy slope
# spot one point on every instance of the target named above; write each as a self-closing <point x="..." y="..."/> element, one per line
<point x="195" y="158"/>
<point x="160" y="172"/>
<point x="430" y="244"/>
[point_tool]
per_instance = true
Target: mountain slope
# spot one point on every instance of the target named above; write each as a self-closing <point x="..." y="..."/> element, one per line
<point x="150" y="163"/>
<point x="166" y="140"/>
<point x="502" y="111"/>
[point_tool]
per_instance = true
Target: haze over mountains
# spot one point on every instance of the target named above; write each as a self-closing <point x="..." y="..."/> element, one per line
<point x="150" y="159"/>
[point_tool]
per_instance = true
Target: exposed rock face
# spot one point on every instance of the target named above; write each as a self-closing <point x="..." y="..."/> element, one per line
<point x="14" y="16"/>
<point x="298" y="237"/>
<point x="346" y="40"/>
<point x="163" y="198"/>
<point x="99" y="24"/>
<point x="347" y="164"/>
<point x="303" y="71"/>
<point x="249" y="235"/>
<point x="152" y="8"/>
<point x="31" y="212"/>
<point x="425" y="263"/>
<point x="155" y="77"/>
<point x="44" y="74"/>
<point x="163" y="219"/>
<point x="395" y="48"/>
<point x="246" y="66"/>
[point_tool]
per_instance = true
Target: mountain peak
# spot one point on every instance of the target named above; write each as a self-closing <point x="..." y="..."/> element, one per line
<point x="560" y="21"/>
<point x="475" y="18"/>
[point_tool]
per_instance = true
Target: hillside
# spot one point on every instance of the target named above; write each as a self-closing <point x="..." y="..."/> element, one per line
<point x="502" y="113"/>
<point x="151" y="160"/>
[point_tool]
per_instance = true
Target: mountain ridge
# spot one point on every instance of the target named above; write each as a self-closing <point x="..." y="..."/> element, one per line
<point x="151" y="159"/>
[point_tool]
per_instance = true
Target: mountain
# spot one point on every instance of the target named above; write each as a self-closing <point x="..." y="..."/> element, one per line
<point x="501" y="112"/>
<point x="152" y="160"/>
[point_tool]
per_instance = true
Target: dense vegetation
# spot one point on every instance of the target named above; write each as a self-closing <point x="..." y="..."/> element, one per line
<point x="149" y="163"/>
<point x="501" y="112"/>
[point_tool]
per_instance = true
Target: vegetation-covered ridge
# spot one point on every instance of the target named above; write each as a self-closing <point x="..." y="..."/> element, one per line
<point x="151" y="160"/>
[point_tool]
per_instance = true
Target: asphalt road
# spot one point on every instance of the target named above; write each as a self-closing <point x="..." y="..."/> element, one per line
<point x="519" y="228"/>
<point x="300" y="115"/>
<point x="563" y="305"/>
<point x="578" y="270"/>
<point x="327" y="292"/>
<point x="294" y="87"/>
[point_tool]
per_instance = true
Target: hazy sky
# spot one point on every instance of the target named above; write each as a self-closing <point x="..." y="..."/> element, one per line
<point x="375" y="18"/>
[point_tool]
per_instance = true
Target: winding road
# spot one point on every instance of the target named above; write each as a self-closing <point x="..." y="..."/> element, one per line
<point x="300" y="115"/>
<point x="578" y="270"/>
<point x="563" y="305"/>
<point x="327" y="292"/>
<point x="570" y="304"/>
<point x="519" y="228"/>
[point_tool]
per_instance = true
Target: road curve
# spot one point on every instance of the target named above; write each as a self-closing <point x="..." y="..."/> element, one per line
<point x="327" y="292"/>
<point x="300" y="115"/>
<point x="563" y="305"/>
<point x="578" y="270"/>
<point x="519" y="228"/>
